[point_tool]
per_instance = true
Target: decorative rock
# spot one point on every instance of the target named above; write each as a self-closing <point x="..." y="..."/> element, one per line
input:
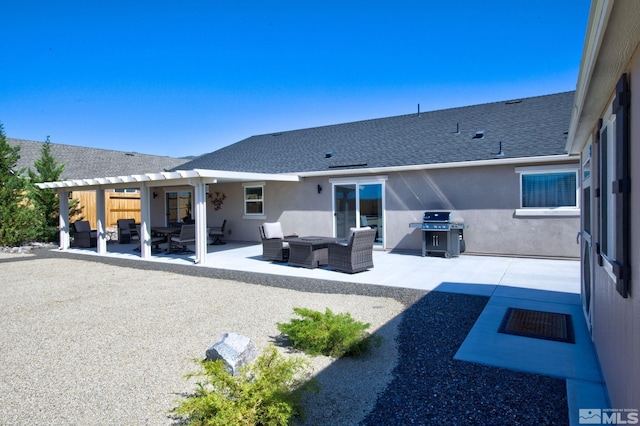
<point x="234" y="349"/>
<point x="26" y="248"/>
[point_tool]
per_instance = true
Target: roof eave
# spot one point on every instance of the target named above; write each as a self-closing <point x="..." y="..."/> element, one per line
<point x="563" y="158"/>
<point x="604" y="59"/>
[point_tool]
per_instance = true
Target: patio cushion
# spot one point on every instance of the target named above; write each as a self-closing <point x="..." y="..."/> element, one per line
<point x="273" y="230"/>
<point x="352" y="230"/>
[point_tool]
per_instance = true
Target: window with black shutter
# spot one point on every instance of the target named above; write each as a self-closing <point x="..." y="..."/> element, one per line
<point x="621" y="187"/>
<point x="614" y="189"/>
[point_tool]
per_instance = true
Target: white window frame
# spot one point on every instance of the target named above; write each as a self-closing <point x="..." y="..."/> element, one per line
<point x="609" y="252"/>
<point x="246" y="215"/>
<point x="573" y="211"/>
<point x="357" y="181"/>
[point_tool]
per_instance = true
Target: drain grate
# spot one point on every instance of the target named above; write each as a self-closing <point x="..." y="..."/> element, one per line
<point x="538" y="324"/>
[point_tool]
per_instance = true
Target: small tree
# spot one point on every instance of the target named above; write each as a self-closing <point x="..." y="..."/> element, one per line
<point x="20" y="222"/>
<point x="45" y="200"/>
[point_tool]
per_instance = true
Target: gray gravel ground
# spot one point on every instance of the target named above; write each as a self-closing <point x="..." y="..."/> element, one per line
<point x="99" y="341"/>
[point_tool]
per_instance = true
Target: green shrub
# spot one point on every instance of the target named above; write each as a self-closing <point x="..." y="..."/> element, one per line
<point x="328" y="334"/>
<point x="20" y="221"/>
<point x="266" y="392"/>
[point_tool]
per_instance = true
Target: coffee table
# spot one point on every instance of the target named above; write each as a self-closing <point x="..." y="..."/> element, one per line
<point x="309" y="252"/>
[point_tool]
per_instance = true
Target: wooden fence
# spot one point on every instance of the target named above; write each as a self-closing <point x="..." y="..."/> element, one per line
<point x="119" y="205"/>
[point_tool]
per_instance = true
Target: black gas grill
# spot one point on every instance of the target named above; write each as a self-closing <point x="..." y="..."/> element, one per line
<point x="441" y="234"/>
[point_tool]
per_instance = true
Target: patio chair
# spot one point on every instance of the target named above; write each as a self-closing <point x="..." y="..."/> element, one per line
<point x="217" y="232"/>
<point x="127" y="231"/>
<point x="156" y="240"/>
<point x="83" y="235"/>
<point x="355" y="254"/>
<point x="187" y="236"/>
<point x="273" y="245"/>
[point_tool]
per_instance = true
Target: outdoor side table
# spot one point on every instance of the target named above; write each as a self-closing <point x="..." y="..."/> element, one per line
<point x="309" y="252"/>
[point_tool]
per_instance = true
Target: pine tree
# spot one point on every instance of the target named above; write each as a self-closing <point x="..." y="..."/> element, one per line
<point x="20" y="222"/>
<point x="45" y="200"/>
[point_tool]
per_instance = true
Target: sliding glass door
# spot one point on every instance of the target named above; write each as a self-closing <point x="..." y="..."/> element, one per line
<point x="345" y="211"/>
<point x="357" y="205"/>
<point x="178" y="207"/>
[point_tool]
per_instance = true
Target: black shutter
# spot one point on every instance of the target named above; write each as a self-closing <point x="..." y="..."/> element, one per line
<point x="621" y="187"/>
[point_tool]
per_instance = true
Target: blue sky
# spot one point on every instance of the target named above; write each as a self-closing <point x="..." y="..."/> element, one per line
<point x="187" y="78"/>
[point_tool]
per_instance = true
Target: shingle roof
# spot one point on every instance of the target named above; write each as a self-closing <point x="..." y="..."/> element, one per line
<point x="526" y="127"/>
<point x="81" y="162"/>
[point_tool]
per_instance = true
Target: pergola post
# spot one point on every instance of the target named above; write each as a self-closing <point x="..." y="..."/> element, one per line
<point x="63" y="219"/>
<point x="200" y="210"/>
<point x="101" y="221"/>
<point x="145" y="222"/>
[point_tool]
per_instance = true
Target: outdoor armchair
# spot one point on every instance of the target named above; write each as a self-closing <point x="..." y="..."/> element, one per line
<point x="83" y="235"/>
<point x="217" y="233"/>
<point x="127" y="231"/>
<point x="355" y="254"/>
<point x="273" y="245"/>
<point x="187" y="236"/>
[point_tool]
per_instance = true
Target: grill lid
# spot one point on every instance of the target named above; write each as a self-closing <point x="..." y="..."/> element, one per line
<point x="444" y="217"/>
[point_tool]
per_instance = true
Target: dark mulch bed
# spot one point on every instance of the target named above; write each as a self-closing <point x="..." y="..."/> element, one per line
<point x="430" y="387"/>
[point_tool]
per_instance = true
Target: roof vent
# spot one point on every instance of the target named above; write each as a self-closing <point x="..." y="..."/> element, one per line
<point x="344" y="166"/>
<point x="328" y="154"/>
<point x="276" y="134"/>
<point x="479" y="135"/>
<point x="500" y="153"/>
<point x="129" y="154"/>
<point x="514" y="101"/>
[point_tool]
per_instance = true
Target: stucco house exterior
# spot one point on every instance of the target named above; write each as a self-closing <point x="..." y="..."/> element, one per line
<point x="500" y="167"/>
<point x="605" y="134"/>
<point x="469" y="160"/>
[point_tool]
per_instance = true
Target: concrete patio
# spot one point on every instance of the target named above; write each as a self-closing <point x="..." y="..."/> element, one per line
<point x="394" y="269"/>
<point x="551" y="285"/>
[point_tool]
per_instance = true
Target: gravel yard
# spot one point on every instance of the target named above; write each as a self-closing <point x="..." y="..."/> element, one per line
<point x="105" y="341"/>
